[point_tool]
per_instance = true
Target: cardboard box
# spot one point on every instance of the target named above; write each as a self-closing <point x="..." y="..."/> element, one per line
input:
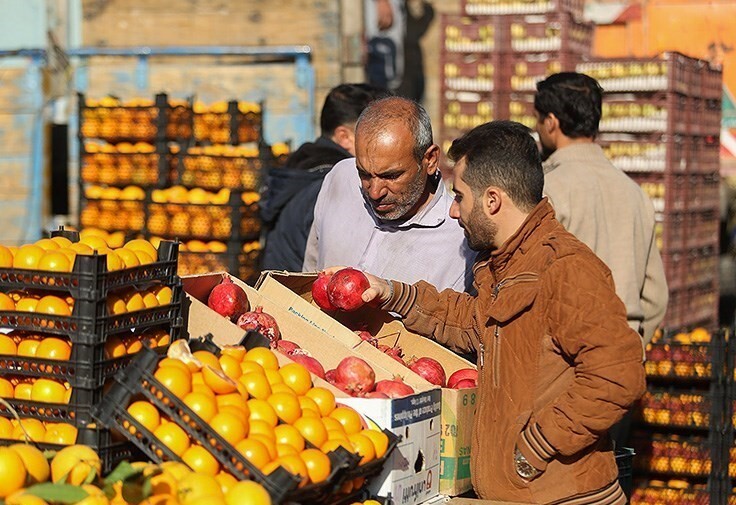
<point x="412" y="473"/>
<point x="294" y="292"/>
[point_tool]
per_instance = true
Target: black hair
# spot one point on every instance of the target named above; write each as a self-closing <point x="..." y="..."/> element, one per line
<point x="385" y="110"/>
<point x="344" y="103"/>
<point x="502" y="154"/>
<point x="575" y="100"/>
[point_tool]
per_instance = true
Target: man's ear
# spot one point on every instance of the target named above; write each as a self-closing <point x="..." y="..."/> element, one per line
<point x="432" y="157"/>
<point x="345" y="138"/>
<point x="492" y="199"/>
<point x="551" y="123"/>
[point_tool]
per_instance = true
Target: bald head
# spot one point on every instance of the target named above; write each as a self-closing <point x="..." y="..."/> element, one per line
<point x="391" y="115"/>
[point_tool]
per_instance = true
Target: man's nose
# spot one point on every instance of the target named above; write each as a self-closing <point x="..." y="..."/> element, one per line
<point x="376" y="189"/>
<point x="455" y="210"/>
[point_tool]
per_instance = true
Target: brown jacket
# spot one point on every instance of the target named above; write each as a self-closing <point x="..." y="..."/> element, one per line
<point x="558" y="363"/>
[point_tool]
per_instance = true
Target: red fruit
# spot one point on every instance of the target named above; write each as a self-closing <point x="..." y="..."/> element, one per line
<point x="463" y="373"/>
<point x="330" y="376"/>
<point x="228" y="299"/>
<point x="261" y="322"/>
<point x="376" y="394"/>
<point x="356" y="375"/>
<point x="464" y="383"/>
<point x="365" y="335"/>
<point x="286" y="346"/>
<point x="345" y="289"/>
<point x="430" y="369"/>
<point x="319" y="292"/>
<point x="394" y="388"/>
<point x="395" y="352"/>
<point x="303" y="357"/>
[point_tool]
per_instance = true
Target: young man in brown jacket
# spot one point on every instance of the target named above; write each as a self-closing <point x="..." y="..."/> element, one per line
<point x="558" y="363"/>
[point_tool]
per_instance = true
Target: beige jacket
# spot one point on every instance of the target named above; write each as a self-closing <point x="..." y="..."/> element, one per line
<point x="610" y="213"/>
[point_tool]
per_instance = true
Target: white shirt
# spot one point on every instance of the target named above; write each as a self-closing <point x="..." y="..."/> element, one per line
<point x="429" y="246"/>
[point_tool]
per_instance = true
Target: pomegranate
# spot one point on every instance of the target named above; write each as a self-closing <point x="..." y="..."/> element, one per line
<point x="319" y="292"/>
<point x="365" y="335"/>
<point x="355" y="375"/>
<point x="345" y="289"/>
<point x="430" y="369"/>
<point x="330" y="376"/>
<point x="376" y="394"/>
<point x="395" y="352"/>
<point x="462" y="374"/>
<point x="286" y="346"/>
<point x="394" y="388"/>
<point x="464" y="384"/>
<point x="261" y="322"/>
<point x="228" y="299"/>
<point x="311" y="364"/>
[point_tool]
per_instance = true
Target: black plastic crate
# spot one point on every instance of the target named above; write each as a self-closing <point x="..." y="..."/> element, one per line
<point x="520" y="72"/>
<point x="675" y="408"/>
<point x="244" y="265"/>
<point x="471" y="72"/>
<point x="465" y="34"/>
<point x="115" y="168"/>
<point x="546" y="33"/>
<point x="625" y="463"/>
<point x="138" y="379"/>
<point x="213" y="172"/>
<point x="232" y="124"/>
<point x="668" y="113"/>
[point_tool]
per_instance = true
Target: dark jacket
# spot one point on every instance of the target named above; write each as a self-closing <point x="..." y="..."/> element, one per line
<point x="558" y="363"/>
<point x="287" y="205"/>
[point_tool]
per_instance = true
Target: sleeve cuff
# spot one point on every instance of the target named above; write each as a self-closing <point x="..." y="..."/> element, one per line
<point x="534" y="447"/>
<point x="403" y="299"/>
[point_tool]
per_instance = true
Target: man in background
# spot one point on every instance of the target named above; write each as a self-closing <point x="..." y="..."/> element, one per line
<point x="386" y="211"/>
<point x="287" y="207"/>
<point x="597" y="202"/>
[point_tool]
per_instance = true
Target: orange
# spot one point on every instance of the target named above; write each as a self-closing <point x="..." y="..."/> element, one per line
<point x="337" y="435"/>
<point x="27" y="304"/>
<point x="332" y="445"/>
<point x="112" y="260"/>
<point x="53" y="305"/>
<point x="230" y="366"/>
<point x="143" y="257"/>
<point x="127" y="256"/>
<point x="146" y="414"/>
<point x="173" y="437"/>
<point x="297" y="377"/>
<point x="94" y="242"/>
<point x="264" y="357"/>
<point x="13" y="472"/>
<point x="197" y="378"/>
<point x="6" y="388"/>
<point x="306" y="402"/>
<point x="218" y="381"/>
<point x="74" y="465"/>
<point x="132" y="344"/>
<point x="55" y="261"/>
<point x="197" y="488"/>
<point x="31" y="429"/>
<point x="256" y="384"/>
<point x="226" y="481"/>
<point x="317" y="463"/>
<point x="48" y="391"/>
<point x="202" y="404"/>
<point x="6" y="428"/>
<point x="363" y="447"/>
<point x="285" y="450"/>
<point x="232" y="409"/>
<point x="230" y="427"/>
<point x="235" y="400"/>
<point x="62" y="241"/>
<point x="115" y="305"/>
<point x="6" y="257"/>
<point x="175" y="380"/>
<point x="274" y="377"/>
<point x="64" y="434"/>
<point x="282" y="388"/>
<point x="294" y="465"/>
<point x="379" y="439"/>
<point x="150" y="300"/>
<point x="252" y="367"/>
<point x="269" y="443"/>
<point x="349" y="419"/>
<point x="28" y="257"/>
<point x="80" y="248"/>
<point x="307" y="412"/>
<point x="201" y="461"/>
<point x="207" y="358"/>
<point x="254" y="451"/>
<point x="28" y="347"/>
<point x="260" y="427"/>
<point x="142" y="245"/>
<point x="54" y="348"/>
<point x="247" y="492"/>
<point x="6" y="303"/>
<point x="164" y="294"/>
<point x="70" y="254"/>
<point x="133" y="301"/>
<point x="286" y="406"/>
<point x="114" y="347"/>
<point x="47" y="244"/>
<point x="288" y="435"/>
<point x="7" y="346"/>
<point x="263" y="411"/>
<point x="234" y="351"/>
<point x="175" y="363"/>
<point x="23" y="391"/>
<point x="312" y="429"/>
<point x="35" y="463"/>
<point x="201" y="388"/>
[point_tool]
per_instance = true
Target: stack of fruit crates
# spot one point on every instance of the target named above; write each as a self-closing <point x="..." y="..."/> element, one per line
<point x="681" y="422"/>
<point x="71" y="319"/>
<point x="493" y="56"/>
<point x="134" y="154"/>
<point x="661" y="125"/>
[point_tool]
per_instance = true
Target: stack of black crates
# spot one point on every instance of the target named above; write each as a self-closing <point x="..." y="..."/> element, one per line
<point x="102" y="343"/>
<point x="130" y="149"/>
<point x="494" y="54"/>
<point x="661" y="125"/>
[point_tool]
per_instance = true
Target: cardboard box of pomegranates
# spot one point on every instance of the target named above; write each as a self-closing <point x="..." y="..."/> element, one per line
<point x="411" y="473"/>
<point x="293" y="293"/>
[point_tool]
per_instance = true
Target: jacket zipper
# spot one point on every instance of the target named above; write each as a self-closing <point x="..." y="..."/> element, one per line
<point x="523" y="277"/>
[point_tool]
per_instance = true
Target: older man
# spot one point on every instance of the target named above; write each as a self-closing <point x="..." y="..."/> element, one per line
<point x="386" y="211"/>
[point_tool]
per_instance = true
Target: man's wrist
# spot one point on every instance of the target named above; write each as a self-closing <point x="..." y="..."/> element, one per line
<point x="523" y="468"/>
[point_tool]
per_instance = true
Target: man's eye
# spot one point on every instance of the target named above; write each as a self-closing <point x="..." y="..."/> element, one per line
<point x="391" y="177"/>
<point x="364" y="176"/>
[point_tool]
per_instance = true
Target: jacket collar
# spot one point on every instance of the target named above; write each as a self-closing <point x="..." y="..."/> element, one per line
<point x="431" y="216"/>
<point x="572" y="153"/>
<point x="520" y="241"/>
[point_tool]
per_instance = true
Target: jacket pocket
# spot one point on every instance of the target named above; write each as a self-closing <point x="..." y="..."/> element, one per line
<point x="509" y="449"/>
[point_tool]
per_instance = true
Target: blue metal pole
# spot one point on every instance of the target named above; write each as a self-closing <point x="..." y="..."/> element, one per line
<point x="33" y="232"/>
